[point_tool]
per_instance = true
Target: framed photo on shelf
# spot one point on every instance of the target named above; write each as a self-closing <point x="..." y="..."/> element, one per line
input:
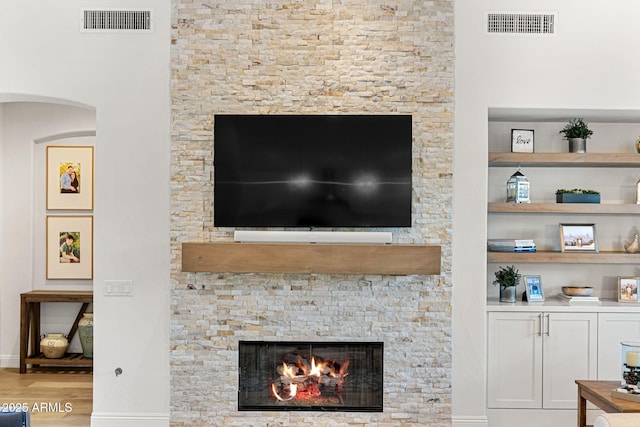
<point x="628" y="289"/>
<point x="69" y="247"/>
<point x="522" y="140"/>
<point x="533" y="288"/>
<point x="70" y="178"/>
<point x="578" y="238"/>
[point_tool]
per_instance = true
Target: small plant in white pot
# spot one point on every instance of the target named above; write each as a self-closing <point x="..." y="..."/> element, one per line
<point x="508" y="278"/>
<point x="577" y="132"/>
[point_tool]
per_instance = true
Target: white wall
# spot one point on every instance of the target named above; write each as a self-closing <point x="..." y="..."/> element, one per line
<point x="125" y="77"/>
<point x="588" y="64"/>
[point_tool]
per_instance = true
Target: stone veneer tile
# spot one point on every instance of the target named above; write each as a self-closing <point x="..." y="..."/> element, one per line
<point x="311" y="57"/>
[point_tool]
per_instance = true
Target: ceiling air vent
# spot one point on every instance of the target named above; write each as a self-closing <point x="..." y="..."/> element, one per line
<point x="521" y="23"/>
<point x="121" y="20"/>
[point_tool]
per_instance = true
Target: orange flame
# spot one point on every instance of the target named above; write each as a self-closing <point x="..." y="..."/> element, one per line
<point x="316" y="369"/>
<point x="288" y="371"/>
<point x="304" y="379"/>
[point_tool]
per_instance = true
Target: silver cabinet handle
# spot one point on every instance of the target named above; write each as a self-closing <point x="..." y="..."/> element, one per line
<point x="548" y="324"/>
<point x="540" y="324"/>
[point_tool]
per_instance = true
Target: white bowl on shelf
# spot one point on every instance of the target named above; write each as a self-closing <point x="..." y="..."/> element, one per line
<point x="577" y="291"/>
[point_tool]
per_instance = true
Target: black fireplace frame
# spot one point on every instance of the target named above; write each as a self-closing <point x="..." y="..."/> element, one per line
<point x="376" y="356"/>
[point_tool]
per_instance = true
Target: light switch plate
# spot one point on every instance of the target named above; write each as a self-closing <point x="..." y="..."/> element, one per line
<point x="118" y="288"/>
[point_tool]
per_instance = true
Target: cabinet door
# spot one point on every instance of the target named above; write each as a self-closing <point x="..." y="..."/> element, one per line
<point x="514" y="354"/>
<point x="613" y="328"/>
<point x="569" y="353"/>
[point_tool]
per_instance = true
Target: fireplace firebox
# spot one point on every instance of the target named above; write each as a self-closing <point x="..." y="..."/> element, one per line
<point x="310" y="376"/>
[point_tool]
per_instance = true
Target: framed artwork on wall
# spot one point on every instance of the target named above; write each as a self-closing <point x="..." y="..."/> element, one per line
<point x="628" y="289"/>
<point x="69" y="247"/>
<point x="70" y="178"/>
<point x="522" y="140"/>
<point x="578" y="238"/>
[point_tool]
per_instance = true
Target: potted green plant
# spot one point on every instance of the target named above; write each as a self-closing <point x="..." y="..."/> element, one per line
<point x="577" y="132"/>
<point x="508" y="278"/>
<point x="577" y="195"/>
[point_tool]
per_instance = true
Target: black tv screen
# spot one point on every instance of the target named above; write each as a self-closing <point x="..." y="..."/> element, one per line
<point x="312" y="170"/>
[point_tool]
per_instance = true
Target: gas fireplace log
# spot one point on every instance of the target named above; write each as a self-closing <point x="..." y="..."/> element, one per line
<point x="332" y="381"/>
<point x="325" y="380"/>
<point x="305" y="376"/>
<point x="296" y="380"/>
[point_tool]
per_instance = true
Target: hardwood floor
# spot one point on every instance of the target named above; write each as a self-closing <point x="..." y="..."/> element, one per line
<point x="55" y="397"/>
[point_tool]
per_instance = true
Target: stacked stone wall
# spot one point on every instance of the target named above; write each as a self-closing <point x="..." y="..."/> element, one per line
<point x="311" y="57"/>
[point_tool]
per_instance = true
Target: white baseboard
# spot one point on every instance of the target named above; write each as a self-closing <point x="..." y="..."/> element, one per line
<point x="114" y="419"/>
<point x="9" y="361"/>
<point x="466" y="421"/>
<point x="312" y="236"/>
<point x="534" y="417"/>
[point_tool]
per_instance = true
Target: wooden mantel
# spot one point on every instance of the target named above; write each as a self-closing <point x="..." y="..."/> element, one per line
<point x="232" y="257"/>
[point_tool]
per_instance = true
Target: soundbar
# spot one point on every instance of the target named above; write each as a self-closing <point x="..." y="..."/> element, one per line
<point x="312" y="236"/>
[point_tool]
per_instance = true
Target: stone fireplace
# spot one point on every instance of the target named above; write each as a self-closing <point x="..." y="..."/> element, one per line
<point x="310" y="376"/>
<point x="311" y="57"/>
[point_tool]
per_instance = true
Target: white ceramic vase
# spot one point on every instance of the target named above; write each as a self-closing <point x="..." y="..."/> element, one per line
<point x="54" y="346"/>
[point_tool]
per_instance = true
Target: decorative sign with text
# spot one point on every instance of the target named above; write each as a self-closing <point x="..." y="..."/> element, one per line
<point x="522" y="140"/>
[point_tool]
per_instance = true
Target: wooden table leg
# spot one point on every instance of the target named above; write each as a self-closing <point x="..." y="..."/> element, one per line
<point x="582" y="408"/>
<point x="24" y="334"/>
<point x="35" y="337"/>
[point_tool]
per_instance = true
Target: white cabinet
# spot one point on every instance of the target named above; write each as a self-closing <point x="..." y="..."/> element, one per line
<point x="613" y="328"/>
<point x="535" y="357"/>
<point x="569" y="353"/>
<point x="514" y="360"/>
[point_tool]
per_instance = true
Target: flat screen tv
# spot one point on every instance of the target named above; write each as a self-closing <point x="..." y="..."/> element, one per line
<point x="312" y="170"/>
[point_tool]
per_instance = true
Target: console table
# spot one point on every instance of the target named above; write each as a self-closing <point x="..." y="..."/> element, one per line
<point x="30" y="327"/>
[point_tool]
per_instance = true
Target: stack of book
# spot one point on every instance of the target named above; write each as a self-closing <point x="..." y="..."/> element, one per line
<point x="511" y="245"/>
<point x="580" y="300"/>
